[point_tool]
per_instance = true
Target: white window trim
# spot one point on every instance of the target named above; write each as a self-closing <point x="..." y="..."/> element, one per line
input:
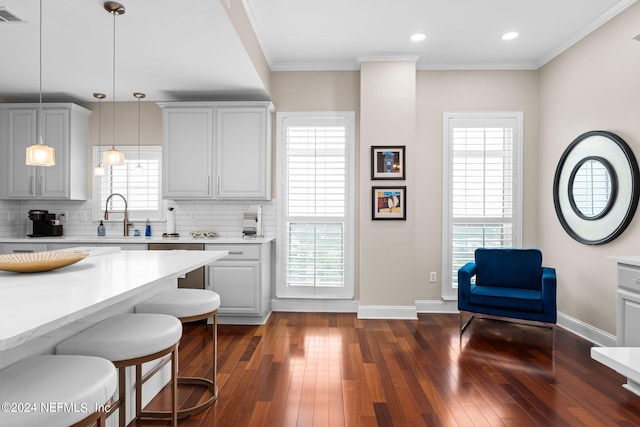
<point x="348" y="290"/>
<point x="131" y="153"/>
<point x="448" y="291"/>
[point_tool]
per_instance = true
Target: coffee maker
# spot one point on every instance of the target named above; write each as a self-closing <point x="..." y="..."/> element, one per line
<point x="44" y="224"/>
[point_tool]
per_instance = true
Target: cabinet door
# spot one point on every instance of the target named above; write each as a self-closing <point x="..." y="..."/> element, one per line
<point x="243" y="153"/>
<point x="22" y="133"/>
<point x="238" y="284"/>
<point x="53" y="182"/>
<point x="628" y="319"/>
<point x="187" y="153"/>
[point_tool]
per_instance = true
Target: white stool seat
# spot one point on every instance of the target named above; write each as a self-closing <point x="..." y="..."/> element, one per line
<point x="181" y="303"/>
<point x="125" y="336"/>
<point x="83" y="383"/>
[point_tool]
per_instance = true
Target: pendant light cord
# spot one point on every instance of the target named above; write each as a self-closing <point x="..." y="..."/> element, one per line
<point x="113" y="87"/>
<point x="40" y="127"/>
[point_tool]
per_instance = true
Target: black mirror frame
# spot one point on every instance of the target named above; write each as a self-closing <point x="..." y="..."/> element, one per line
<point x="632" y="203"/>
<point x="614" y="187"/>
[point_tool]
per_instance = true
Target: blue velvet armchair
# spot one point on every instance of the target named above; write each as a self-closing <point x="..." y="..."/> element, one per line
<point x="509" y="283"/>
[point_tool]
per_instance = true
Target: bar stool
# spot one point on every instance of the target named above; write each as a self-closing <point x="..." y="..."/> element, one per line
<point x="131" y="340"/>
<point x="53" y="390"/>
<point x="188" y="305"/>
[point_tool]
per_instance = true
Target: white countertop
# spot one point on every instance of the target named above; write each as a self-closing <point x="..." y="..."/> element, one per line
<point x="629" y="260"/>
<point x="136" y="239"/>
<point x="33" y="304"/>
<point x="623" y="360"/>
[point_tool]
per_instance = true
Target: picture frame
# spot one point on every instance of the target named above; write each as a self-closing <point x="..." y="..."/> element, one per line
<point x="388" y="162"/>
<point x="389" y="203"/>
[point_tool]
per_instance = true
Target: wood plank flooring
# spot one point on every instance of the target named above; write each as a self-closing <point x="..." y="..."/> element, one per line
<point x="328" y="369"/>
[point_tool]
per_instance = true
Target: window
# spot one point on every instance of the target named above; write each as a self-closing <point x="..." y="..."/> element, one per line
<point x="482" y="190"/>
<point x="143" y="192"/>
<point x="316" y="206"/>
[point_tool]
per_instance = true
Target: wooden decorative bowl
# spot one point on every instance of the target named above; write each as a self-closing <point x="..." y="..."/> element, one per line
<point x="39" y="261"/>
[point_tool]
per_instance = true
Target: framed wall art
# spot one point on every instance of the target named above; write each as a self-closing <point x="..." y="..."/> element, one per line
<point x="389" y="203"/>
<point x="388" y="162"/>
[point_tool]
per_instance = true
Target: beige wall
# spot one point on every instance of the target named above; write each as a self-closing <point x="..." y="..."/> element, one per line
<point x="416" y="243"/>
<point x="465" y="91"/>
<point x="592" y="86"/>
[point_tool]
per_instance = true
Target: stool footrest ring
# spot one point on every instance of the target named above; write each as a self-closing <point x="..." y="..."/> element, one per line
<point x="185" y="412"/>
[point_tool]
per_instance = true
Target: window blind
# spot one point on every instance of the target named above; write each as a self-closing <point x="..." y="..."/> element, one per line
<point x="316" y="205"/>
<point x="483" y="210"/>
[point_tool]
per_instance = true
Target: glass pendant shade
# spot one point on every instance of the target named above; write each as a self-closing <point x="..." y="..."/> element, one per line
<point x="98" y="170"/>
<point x="113" y="157"/>
<point x="139" y="170"/>
<point x="40" y="155"/>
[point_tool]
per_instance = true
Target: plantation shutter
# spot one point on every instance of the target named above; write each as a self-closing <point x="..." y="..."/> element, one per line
<point x="484" y="207"/>
<point x="315" y="207"/>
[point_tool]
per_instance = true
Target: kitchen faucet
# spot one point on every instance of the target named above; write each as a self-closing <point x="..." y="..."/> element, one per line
<point x="127" y="224"/>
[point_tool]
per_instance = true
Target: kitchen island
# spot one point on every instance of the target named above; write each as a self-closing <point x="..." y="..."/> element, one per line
<point x="33" y="305"/>
<point x="40" y="310"/>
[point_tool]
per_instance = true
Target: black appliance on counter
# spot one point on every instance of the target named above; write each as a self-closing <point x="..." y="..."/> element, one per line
<point x="44" y="224"/>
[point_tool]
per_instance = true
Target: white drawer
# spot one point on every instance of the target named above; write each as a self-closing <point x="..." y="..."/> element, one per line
<point x="629" y="278"/>
<point x="238" y="252"/>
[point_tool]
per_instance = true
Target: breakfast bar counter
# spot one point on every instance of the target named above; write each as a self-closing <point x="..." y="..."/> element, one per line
<point x="36" y="304"/>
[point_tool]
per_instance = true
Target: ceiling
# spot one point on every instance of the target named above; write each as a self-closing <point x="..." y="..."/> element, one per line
<point x="193" y="52"/>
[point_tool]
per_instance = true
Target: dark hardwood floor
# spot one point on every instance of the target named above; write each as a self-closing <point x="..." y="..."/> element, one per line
<point x="327" y="369"/>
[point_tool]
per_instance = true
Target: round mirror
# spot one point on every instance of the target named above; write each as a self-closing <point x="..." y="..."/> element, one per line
<point x="596" y="187"/>
<point x="592" y="188"/>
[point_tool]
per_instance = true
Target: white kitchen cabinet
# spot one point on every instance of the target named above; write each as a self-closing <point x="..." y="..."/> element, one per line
<point x="243" y="153"/>
<point x="66" y="129"/>
<point x="187" y="147"/>
<point x="217" y="150"/>
<point x="21" y="248"/>
<point x="628" y="334"/>
<point x="243" y="281"/>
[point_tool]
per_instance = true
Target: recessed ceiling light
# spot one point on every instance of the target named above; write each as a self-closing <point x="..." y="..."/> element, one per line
<point x="418" y="37"/>
<point x="510" y="36"/>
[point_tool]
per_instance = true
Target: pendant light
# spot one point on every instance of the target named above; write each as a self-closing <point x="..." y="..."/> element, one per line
<point x="138" y="170"/>
<point x="40" y="154"/>
<point x="99" y="170"/>
<point x="113" y="157"/>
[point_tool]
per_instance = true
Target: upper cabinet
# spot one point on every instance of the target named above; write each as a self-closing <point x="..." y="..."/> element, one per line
<point x="217" y="150"/>
<point x="66" y="129"/>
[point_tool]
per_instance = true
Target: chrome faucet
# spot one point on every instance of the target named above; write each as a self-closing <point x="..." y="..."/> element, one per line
<point x="127" y="224"/>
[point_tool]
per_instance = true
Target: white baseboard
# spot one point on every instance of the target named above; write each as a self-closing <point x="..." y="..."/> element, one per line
<point x="586" y="331"/>
<point x="387" y="312"/>
<point x="437" y="306"/>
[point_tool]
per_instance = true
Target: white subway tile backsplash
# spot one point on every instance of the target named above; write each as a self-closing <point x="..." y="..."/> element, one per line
<point x="223" y="217"/>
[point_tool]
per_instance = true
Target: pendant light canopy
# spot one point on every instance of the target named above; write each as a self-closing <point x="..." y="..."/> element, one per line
<point x="39" y="154"/>
<point x="99" y="170"/>
<point x="113" y="157"/>
<point x="139" y="170"/>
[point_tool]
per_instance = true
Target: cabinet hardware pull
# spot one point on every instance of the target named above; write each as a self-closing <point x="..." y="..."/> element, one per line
<point x="209" y="184"/>
<point x="31" y="184"/>
<point x="236" y="253"/>
<point x="218" y="185"/>
<point x="23" y="251"/>
<point x="41" y="185"/>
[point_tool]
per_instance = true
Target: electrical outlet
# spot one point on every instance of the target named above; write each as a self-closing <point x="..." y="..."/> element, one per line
<point x="433" y="277"/>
